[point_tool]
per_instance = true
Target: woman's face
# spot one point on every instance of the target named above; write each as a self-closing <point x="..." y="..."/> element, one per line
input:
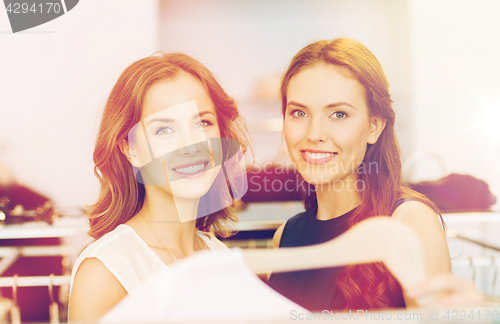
<point x="327" y="125"/>
<point x="178" y="119"/>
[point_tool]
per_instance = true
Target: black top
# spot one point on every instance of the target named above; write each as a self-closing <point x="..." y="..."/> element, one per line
<point x="316" y="289"/>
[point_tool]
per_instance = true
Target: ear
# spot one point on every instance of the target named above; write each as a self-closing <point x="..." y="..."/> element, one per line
<point x="129" y="153"/>
<point x="377" y="125"/>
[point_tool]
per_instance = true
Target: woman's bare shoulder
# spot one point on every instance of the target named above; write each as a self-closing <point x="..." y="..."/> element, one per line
<point x="94" y="292"/>
<point x="428" y="226"/>
<point x="416" y="211"/>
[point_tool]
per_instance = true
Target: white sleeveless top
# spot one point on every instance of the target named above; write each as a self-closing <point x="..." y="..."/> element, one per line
<point x="129" y="258"/>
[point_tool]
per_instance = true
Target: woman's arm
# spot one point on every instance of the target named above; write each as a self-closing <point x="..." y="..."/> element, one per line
<point x="427" y="225"/>
<point x="94" y="292"/>
<point x="276" y="241"/>
<point x="277" y="236"/>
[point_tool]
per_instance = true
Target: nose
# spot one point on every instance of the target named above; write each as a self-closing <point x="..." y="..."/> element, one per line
<point x="189" y="150"/>
<point x="316" y="131"/>
<point x="189" y="145"/>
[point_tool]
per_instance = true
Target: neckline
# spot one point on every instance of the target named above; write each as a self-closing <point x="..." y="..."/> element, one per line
<point x="151" y="251"/>
<point x="338" y="218"/>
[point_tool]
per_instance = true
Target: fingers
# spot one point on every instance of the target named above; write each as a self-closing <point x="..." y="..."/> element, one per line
<point x="468" y="299"/>
<point x="444" y="282"/>
<point x="457" y="301"/>
<point x="448" y="291"/>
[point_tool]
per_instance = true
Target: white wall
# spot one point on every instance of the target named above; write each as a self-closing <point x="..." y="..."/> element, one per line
<point x="456" y="86"/>
<point x="245" y="41"/>
<point x="54" y="81"/>
<point x="242" y="40"/>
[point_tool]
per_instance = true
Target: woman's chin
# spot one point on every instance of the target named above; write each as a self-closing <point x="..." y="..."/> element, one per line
<point x="320" y="179"/>
<point x="187" y="194"/>
<point x="190" y="188"/>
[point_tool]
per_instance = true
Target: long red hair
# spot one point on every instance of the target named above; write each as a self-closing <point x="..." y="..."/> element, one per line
<point x="121" y="195"/>
<point x="365" y="285"/>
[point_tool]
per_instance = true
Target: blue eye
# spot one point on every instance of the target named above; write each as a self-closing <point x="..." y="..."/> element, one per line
<point x="298" y="113"/>
<point x="339" y="115"/>
<point x="164" y="131"/>
<point x="203" y="123"/>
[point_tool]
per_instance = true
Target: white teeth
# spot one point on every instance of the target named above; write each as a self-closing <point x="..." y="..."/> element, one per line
<point x="317" y="156"/>
<point x="191" y="169"/>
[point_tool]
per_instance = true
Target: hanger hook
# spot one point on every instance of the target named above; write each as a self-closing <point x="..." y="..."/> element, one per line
<point x="473" y="270"/>
<point x="495" y="276"/>
<point x="14" y="289"/>
<point x="51" y="286"/>
<point x="15" y="312"/>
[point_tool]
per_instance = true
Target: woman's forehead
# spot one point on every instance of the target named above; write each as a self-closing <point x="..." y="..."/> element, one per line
<point x="184" y="94"/>
<point x="324" y="84"/>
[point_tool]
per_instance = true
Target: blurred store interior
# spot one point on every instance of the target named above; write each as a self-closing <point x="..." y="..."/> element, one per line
<point x="440" y="57"/>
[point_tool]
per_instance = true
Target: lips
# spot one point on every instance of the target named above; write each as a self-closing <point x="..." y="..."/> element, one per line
<point x="190" y="169"/>
<point x="317" y="156"/>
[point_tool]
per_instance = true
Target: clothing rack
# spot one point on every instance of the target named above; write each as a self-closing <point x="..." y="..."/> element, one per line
<point x="482" y="244"/>
<point x="34" y="251"/>
<point x="483" y="270"/>
<point x="35" y="281"/>
<point x="9" y="255"/>
<point x="478" y="262"/>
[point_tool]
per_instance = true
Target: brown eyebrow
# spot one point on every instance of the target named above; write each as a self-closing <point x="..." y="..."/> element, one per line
<point x="293" y="103"/>
<point x="203" y="113"/>
<point x="332" y="105"/>
<point x="170" y="120"/>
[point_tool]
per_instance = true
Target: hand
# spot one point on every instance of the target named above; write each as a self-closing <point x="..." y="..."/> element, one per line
<point x="446" y="291"/>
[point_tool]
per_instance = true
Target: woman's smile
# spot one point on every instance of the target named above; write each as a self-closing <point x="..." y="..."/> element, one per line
<point x="317" y="157"/>
<point x="192" y="169"/>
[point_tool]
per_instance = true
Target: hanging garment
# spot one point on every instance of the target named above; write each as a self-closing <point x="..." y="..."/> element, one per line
<point x="206" y="287"/>
<point x="221" y="286"/>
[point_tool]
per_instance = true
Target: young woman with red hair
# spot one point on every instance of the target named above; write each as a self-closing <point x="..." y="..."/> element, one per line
<point x="166" y="129"/>
<point x="339" y="130"/>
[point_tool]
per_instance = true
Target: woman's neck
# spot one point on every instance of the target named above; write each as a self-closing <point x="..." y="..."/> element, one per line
<point x="172" y="219"/>
<point x="336" y="199"/>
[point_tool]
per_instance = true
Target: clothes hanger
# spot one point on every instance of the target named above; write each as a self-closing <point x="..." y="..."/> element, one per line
<point x="377" y="239"/>
<point x="495" y="276"/>
<point x="53" y="306"/>
<point x="15" y="312"/>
